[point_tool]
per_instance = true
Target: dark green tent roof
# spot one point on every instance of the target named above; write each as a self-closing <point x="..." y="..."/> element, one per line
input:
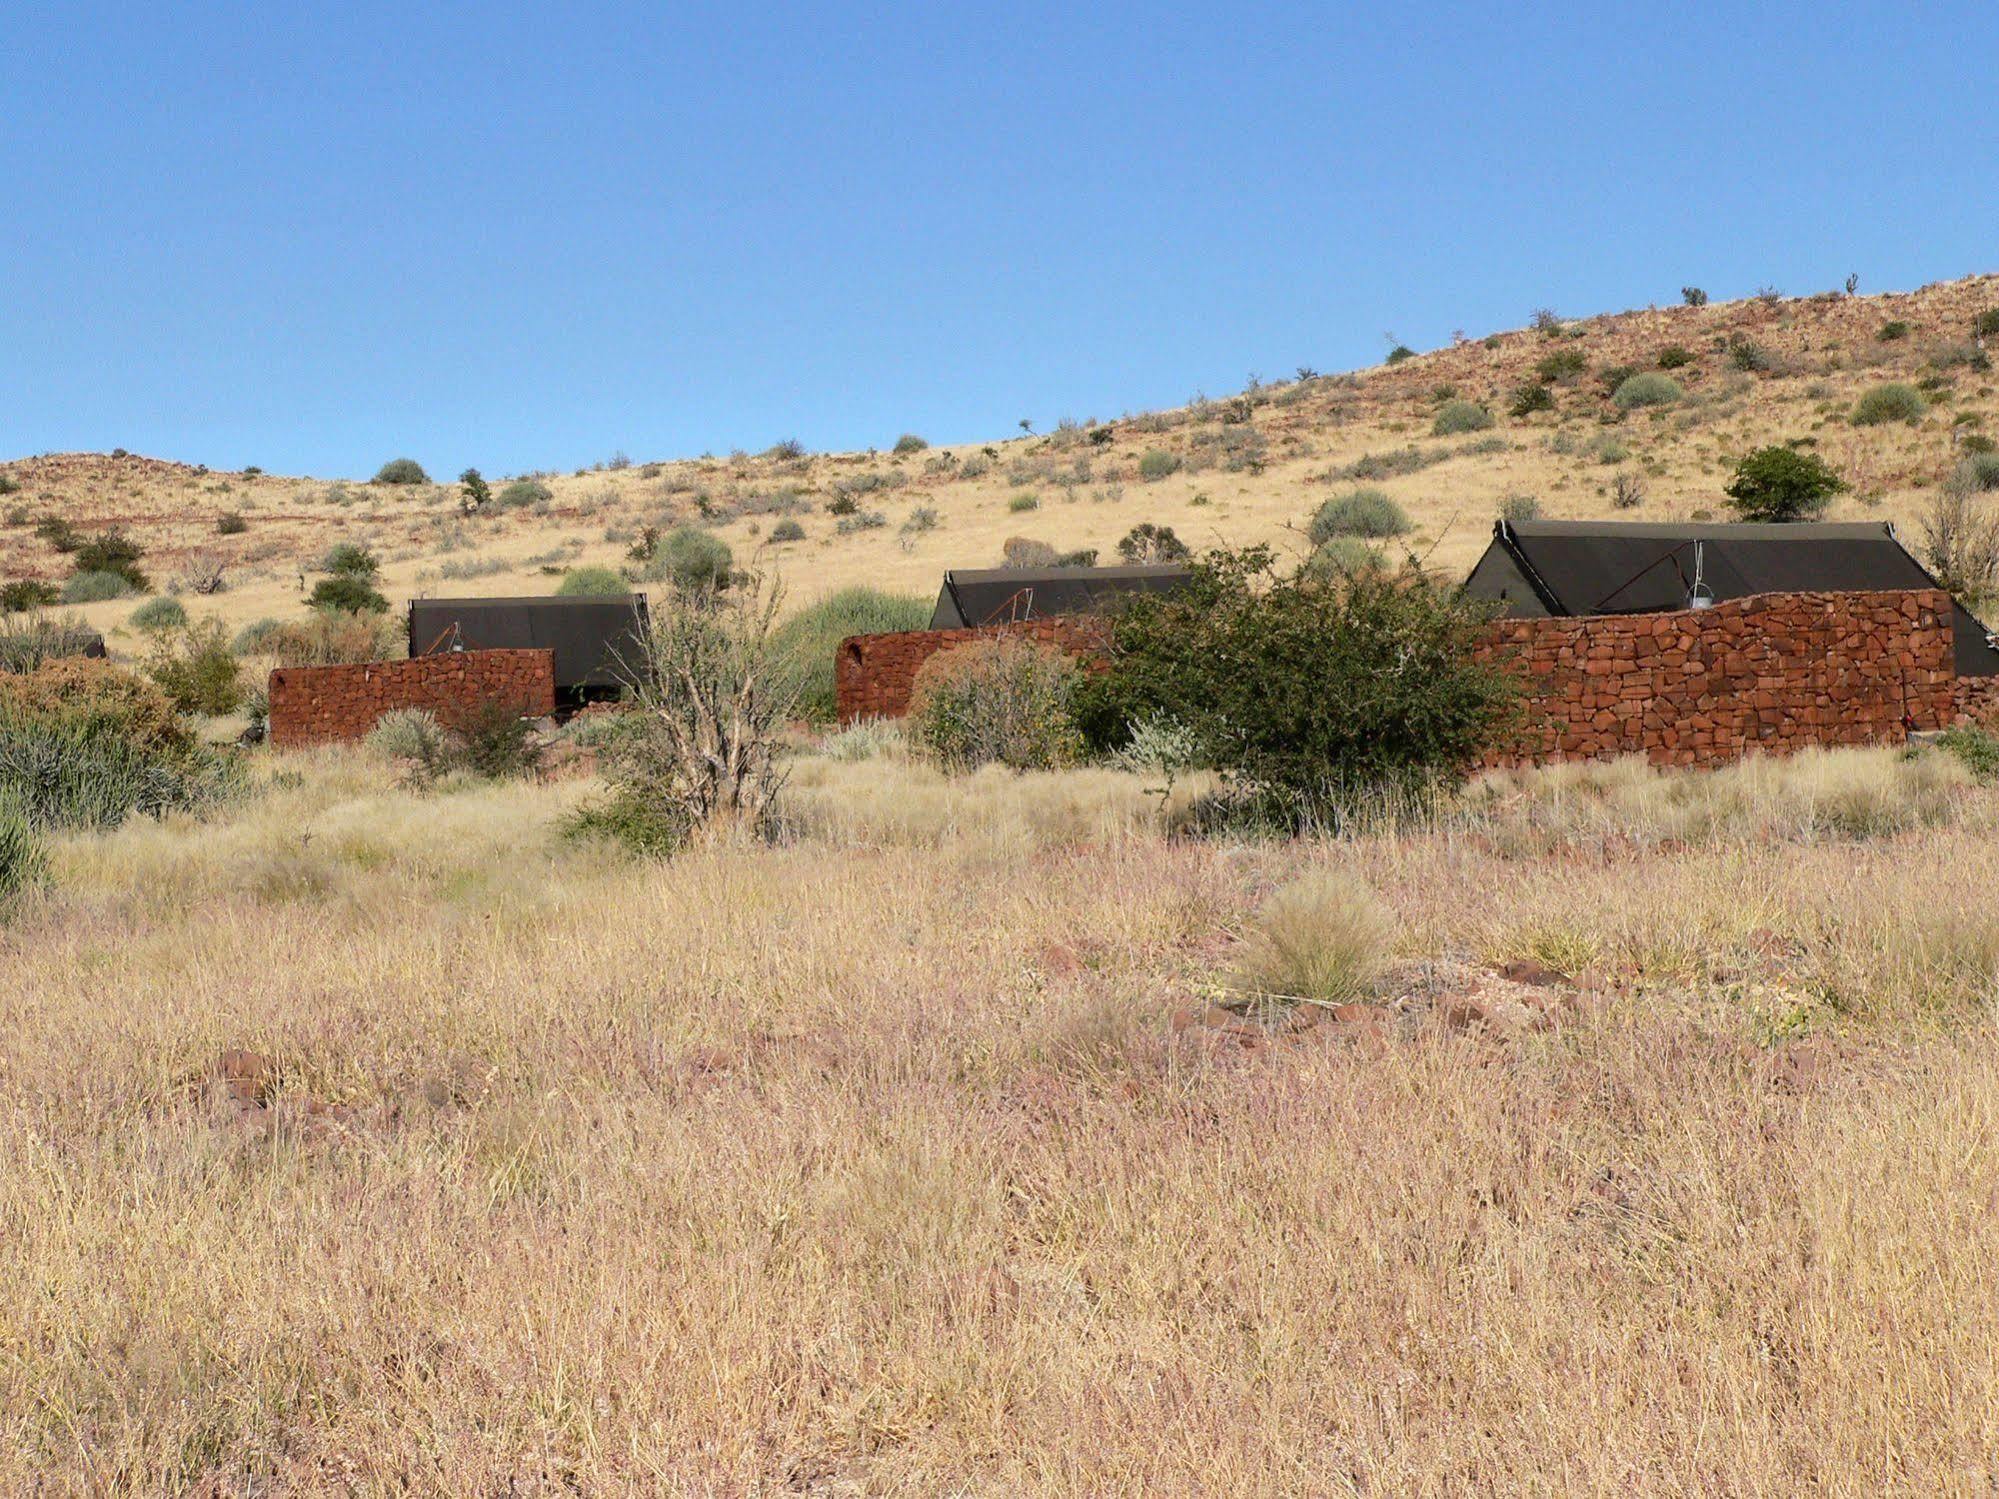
<point x="1004" y="595"/>
<point x="596" y="640"/>
<point x="1622" y="567"/>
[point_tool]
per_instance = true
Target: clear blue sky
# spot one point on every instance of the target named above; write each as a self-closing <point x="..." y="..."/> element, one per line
<point x="316" y="236"/>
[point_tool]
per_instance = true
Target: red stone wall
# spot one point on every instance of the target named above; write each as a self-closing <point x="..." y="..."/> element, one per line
<point x="1774" y="673"/>
<point x="873" y="674"/>
<point x="322" y="704"/>
<point x="1978" y="700"/>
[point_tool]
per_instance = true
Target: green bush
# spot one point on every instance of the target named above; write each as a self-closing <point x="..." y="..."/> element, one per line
<point x="806" y="642"/>
<point x="58" y="533"/>
<point x="111" y="552"/>
<point x="1460" y="416"/>
<point x="25" y="645"/>
<point x="1339" y="555"/>
<point x="1363" y="512"/>
<point x="1889" y="332"/>
<point x="1648" y="389"/>
<point x="347" y="593"/>
<point x="522" y="493"/>
<point x="1693" y="296"/>
<point x="787" y="530"/>
<point x="1975" y="747"/>
<point x="1025" y="500"/>
<point x="1003" y="701"/>
<point x="1675" y="356"/>
<point x="1987" y="322"/>
<point x="84" y="744"/>
<point x="23" y="863"/>
<point x="231" y="523"/>
<point x="1746" y="354"/>
<point x="495" y="742"/>
<point x="1893" y="402"/>
<point x="1980" y="471"/>
<point x="1399" y="353"/>
<point x="1529" y="399"/>
<point x="590" y="582"/>
<point x="158" y="614"/>
<point x="909" y="442"/>
<point x="196" y="670"/>
<point x="96" y="587"/>
<point x="350" y="559"/>
<point x="1147" y="542"/>
<point x="408" y="734"/>
<point x="1782" y="484"/>
<point x="1562" y="364"/>
<point x="1518" y="507"/>
<point x="1306" y="693"/>
<point x="401" y="471"/>
<point x="692" y="560"/>
<point x="1157" y="463"/>
<point x="19" y="595"/>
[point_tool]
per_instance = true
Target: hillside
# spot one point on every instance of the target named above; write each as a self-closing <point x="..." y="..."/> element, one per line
<point x="1244" y="468"/>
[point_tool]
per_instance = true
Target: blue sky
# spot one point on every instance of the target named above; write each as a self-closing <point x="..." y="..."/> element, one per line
<point x="315" y="237"/>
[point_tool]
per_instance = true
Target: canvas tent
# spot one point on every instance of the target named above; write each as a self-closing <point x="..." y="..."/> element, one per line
<point x="1618" y="567"/>
<point x="596" y="640"/>
<point x="1005" y="595"/>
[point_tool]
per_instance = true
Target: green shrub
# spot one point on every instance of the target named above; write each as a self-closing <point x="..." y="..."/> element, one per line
<point x="474" y="493"/>
<point x="909" y="442"/>
<point x="26" y="644"/>
<point x="1003" y="701"/>
<point x="495" y="742"/>
<point x="1399" y="353"/>
<point x="1986" y="324"/>
<point x="58" y="533"/>
<point x="84" y="744"/>
<point x="1363" y="512"/>
<point x="1613" y="375"/>
<point x="1975" y="747"/>
<point x="19" y="595"/>
<point x="1746" y="354"/>
<point x="111" y="552"/>
<point x="1889" y="332"/>
<point x="409" y="734"/>
<point x="231" y="523"/>
<point x="1339" y="555"/>
<point x="1893" y="402"/>
<point x="590" y="582"/>
<point x="96" y="587"/>
<point x="522" y="493"/>
<point x="1460" y="416"/>
<point x="1157" y="463"/>
<point x="1675" y="356"/>
<point x="692" y="560"/>
<point x="1529" y="399"/>
<point x="1025" y="500"/>
<point x="158" y="614"/>
<point x="1562" y="364"/>
<point x="1648" y="389"/>
<point x="1693" y="296"/>
<point x="787" y="530"/>
<point x="1518" y="507"/>
<point x="401" y="471"/>
<point x="23" y="864"/>
<point x="1147" y="542"/>
<point x="1980" y="471"/>
<point x="347" y="593"/>
<point x="805" y="643"/>
<point x="350" y="559"/>
<point x="196" y="670"/>
<point x="1306" y="693"/>
<point x="1782" y="484"/>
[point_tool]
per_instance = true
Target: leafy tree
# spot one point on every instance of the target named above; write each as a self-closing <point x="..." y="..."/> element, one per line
<point x="348" y="593"/>
<point x="1782" y="484"/>
<point x="111" y="552"/>
<point x="401" y="471"/>
<point x="351" y="559"/>
<point x="473" y="492"/>
<point x="1302" y="689"/>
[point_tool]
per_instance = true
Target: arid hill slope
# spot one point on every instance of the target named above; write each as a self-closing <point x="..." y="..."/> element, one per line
<point x="1245" y="468"/>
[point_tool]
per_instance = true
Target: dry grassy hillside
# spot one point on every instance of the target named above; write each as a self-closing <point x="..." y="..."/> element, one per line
<point x="1246" y="468"/>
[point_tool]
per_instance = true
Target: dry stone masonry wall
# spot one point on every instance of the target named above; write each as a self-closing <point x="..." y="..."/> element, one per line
<point x="1772" y="673"/>
<point x="323" y="704"/>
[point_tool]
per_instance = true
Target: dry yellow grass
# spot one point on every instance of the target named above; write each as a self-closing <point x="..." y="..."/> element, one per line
<point x="869" y="1163"/>
<point x="1254" y="467"/>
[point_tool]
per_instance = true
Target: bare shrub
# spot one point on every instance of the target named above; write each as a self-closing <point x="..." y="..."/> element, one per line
<point x="1960" y="538"/>
<point x="711" y="695"/>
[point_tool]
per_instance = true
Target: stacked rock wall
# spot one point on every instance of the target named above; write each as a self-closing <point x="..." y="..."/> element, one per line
<point x="874" y="674"/>
<point x="324" y="704"/>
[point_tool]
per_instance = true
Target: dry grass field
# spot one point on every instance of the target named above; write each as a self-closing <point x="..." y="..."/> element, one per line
<point x="873" y="1161"/>
<point x="1244" y="468"/>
